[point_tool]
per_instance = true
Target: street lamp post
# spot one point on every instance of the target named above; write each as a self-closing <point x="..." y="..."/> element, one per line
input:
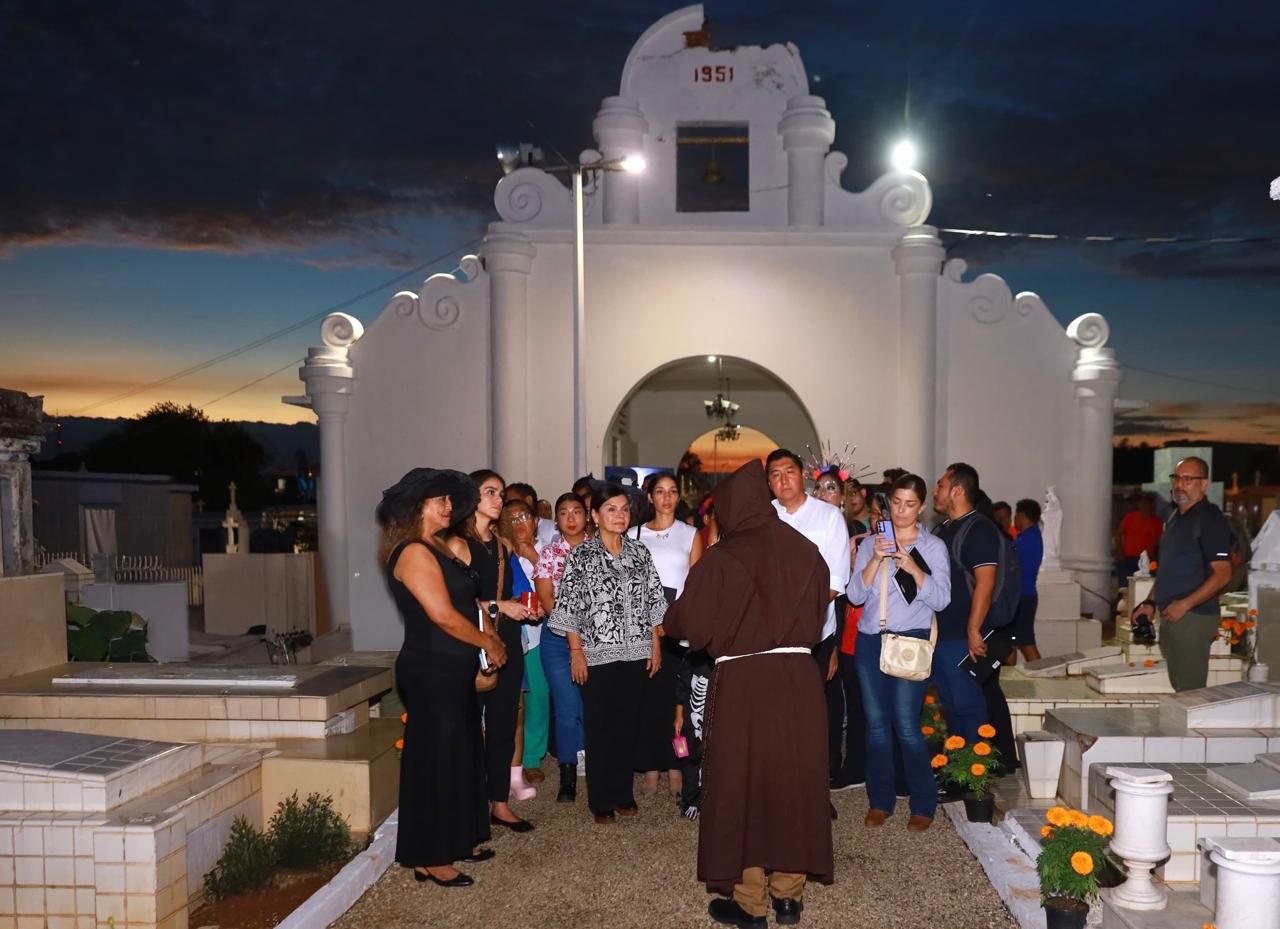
<point x="633" y="164"/>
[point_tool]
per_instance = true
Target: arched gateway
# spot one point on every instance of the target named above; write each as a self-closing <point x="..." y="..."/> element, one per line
<point x="738" y="240"/>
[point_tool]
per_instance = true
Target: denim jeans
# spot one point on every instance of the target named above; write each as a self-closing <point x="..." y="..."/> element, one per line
<point x="566" y="697"/>
<point x="892" y="707"/>
<point x="961" y="696"/>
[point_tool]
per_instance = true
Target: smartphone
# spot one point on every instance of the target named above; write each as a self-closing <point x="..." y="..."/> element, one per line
<point x="884" y="528"/>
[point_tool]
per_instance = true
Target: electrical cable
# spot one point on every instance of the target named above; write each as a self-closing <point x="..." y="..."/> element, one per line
<point x="1201" y="383"/>
<point x="271" y="337"/>
<point x="232" y="393"/>
<point x="1149" y="240"/>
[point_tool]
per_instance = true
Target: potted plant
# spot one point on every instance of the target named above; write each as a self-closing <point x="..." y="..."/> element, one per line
<point x="1073" y="849"/>
<point x="933" y="725"/>
<point x="970" y="768"/>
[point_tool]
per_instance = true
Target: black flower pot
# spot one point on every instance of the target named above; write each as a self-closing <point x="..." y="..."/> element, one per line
<point x="1065" y="914"/>
<point x="979" y="809"/>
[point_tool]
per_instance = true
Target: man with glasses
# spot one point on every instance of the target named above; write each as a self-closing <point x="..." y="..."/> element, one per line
<point x="1193" y="567"/>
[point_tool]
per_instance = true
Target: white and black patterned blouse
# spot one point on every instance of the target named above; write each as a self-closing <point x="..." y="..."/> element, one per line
<point x="612" y="603"/>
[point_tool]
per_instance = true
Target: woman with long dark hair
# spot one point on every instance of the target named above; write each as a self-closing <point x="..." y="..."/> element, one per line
<point x="480" y="547"/>
<point x="609" y="607"/>
<point x="443" y="813"/>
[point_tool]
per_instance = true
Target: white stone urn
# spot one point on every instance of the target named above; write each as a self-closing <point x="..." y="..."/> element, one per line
<point x="1142" y="823"/>
<point x="1240" y="881"/>
<point x="1041" y="755"/>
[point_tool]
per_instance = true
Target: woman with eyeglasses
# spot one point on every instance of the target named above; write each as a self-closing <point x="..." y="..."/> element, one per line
<point x="444" y="815"/>
<point x="610" y="607"/>
<point x="479" y="546"/>
<point x="517" y="528"/>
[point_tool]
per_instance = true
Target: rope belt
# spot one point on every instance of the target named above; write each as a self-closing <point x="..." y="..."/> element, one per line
<point x="781" y="650"/>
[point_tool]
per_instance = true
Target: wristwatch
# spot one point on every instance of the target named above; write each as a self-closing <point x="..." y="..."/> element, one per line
<point x="493" y="610"/>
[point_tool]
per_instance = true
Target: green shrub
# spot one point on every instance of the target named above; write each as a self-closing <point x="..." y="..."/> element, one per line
<point x="1073" y="847"/>
<point x="309" y="832"/>
<point x="107" y="635"/>
<point x="246" y="863"/>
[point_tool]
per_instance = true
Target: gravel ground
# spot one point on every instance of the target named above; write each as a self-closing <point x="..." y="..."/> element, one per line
<point x="640" y="874"/>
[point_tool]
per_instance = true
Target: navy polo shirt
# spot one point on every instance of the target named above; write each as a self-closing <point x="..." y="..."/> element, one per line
<point x="1192" y="541"/>
<point x="981" y="547"/>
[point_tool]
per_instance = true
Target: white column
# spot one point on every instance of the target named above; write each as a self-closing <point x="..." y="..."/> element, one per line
<point x="508" y="257"/>
<point x="1086" y="544"/>
<point x="1140" y="839"/>
<point x="22" y="434"/>
<point x="918" y="260"/>
<point x="807" y="131"/>
<point x="1244" y="887"/>
<point x="330" y="380"/>
<point x="620" y="130"/>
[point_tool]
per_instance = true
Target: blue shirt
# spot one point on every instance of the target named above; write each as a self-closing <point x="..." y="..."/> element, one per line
<point x="1030" y="547"/>
<point x="933" y="595"/>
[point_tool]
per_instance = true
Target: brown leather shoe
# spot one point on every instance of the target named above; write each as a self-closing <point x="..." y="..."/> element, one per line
<point x="628" y="809"/>
<point x="533" y="775"/>
<point x="604" y="819"/>
<point x="919" y="823"/>
<point x="875" y="818"/>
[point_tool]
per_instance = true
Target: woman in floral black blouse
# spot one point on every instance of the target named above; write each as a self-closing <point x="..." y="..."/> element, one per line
<point x="610" y="607"/>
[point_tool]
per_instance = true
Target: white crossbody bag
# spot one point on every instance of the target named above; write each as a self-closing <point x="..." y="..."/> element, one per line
<point x="903" y="656"/>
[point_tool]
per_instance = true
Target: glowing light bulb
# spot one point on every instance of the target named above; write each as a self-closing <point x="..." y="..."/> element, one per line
<point x="904" y="156"/>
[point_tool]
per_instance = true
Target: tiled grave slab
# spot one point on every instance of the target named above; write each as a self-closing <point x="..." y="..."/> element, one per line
<point x="204" y="677"/>
<point x="1050" y="667"/>
<point x="1130" y="678"/>
<point x="1226" y="705"/>
<point x="44" y="770"/>
<point x="1095" y="657"/>
<point x="1248" y="782"/>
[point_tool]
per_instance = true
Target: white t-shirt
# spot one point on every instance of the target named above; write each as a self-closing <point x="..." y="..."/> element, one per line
<point x="670" y="549"/>
<point x="546" y="532"/>
<point x="824" y="526"/>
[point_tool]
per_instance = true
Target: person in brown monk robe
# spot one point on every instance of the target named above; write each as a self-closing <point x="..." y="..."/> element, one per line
<point x="756" y="602"/>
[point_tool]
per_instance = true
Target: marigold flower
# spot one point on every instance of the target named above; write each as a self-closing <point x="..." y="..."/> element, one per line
<point x="1253" y="612"/>
<point x="953" y="742"/>
<point x="939" y="761"/>
<point x="981" y="748"/>
<point x="977" y="770"/>
<point x="1078" y="819"/>
<point x="1046" y="831"/>
<point x="987" y="731"/>
<point x="1101" y="825"/>
<point x="929" y="700"/>
<point x="1082" y="863"/>
<point x="927" y="730"/>
<point x="1149" y="663"/>
<point x="399" y="745"/>
<point x="404" y="718"/>
<point x="1057" y="815"/>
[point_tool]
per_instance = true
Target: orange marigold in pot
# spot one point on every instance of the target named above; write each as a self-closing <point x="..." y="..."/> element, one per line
<point x="953" y="742"/>
<point x="982" y="748"/>
<point x="987" y="731"/>
<point x="938" y="761"/>
<point x="1082" y="863"/>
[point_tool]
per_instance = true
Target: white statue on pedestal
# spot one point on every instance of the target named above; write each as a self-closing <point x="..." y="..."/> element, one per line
<point x="1051" y="530"/>
<point x="1144" y="565"/>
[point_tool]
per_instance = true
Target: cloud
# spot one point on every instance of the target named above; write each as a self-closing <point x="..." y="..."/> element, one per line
<point x="1257" y="421"/>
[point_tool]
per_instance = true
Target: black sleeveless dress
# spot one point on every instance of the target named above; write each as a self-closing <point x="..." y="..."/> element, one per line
<point x="444" y="812"/>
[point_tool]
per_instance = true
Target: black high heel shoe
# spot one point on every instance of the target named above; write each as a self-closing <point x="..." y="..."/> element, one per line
<point x="460" y="880"/>
<point x="520" y="825"/>
<point x="483" y="854"/>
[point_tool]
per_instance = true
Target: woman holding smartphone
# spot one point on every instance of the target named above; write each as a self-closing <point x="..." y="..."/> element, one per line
<point x="902" y="554"/>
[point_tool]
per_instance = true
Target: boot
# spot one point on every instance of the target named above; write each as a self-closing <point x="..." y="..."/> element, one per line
<point x="519" y="789"/>
<point x="568" y="784"/>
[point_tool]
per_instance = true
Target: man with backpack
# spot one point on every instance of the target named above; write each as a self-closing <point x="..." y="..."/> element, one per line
<point x="979" y="562"/>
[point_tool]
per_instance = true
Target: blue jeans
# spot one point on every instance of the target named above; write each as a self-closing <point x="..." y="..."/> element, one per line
<point x="566" y="698"/>
<point x="961" y="696"/>
<point x="892" y="707"/>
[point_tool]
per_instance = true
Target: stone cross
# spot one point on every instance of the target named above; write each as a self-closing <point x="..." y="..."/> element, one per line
<point x="236" y="525"/>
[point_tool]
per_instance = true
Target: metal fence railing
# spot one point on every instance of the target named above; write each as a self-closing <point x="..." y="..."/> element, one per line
<point x="137" y="569"/>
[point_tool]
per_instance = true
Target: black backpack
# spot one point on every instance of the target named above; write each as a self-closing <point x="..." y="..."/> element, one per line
<point x="1008" y="589"/>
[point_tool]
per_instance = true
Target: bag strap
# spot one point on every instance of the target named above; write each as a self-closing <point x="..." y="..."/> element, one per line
<point x="884" y="595"/>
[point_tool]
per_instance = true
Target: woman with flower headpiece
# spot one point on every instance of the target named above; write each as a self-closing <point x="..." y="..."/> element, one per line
<point x="443" y="808"/>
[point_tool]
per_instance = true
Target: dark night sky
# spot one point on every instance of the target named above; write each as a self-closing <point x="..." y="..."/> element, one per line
<point x="181" y="178"/>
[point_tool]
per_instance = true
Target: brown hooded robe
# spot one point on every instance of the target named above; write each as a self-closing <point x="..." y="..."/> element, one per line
<point x="765" y="794"/>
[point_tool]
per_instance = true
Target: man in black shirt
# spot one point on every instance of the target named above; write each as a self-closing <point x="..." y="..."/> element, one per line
<point x="960" y="623"/>
<point x="1193" y="567"/>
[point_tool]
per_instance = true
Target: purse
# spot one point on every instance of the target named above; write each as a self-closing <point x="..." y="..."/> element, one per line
<point x="486" y="678"/>
<point x="903" y="656"/>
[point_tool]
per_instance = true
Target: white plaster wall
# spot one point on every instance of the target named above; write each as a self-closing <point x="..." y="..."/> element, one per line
<point x="663" y="423"/>
<point x="1006" y="404"/>
<point x="421" y="398"/>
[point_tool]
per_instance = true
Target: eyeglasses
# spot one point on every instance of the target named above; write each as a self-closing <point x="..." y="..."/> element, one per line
<point x="1187" y="478"/>
<point x="521" y="518"/>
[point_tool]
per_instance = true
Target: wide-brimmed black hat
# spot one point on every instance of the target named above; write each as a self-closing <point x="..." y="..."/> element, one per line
<point x="405" y="498"/>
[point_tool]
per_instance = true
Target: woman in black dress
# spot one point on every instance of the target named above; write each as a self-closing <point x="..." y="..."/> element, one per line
<point x="442" y="783"/>
<point x="477" y="544"/>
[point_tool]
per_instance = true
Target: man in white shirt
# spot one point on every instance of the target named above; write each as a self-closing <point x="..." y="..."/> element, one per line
<point x="824" y="526"/>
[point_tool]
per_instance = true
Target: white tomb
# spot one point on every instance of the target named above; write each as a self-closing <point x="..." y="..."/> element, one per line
<point x="792" y="277"/>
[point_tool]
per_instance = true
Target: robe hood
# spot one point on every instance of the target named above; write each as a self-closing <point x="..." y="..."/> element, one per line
<point x="742" y="500"/>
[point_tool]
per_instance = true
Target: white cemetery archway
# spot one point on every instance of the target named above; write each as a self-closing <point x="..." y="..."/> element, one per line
<point x="665" y="412"/>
